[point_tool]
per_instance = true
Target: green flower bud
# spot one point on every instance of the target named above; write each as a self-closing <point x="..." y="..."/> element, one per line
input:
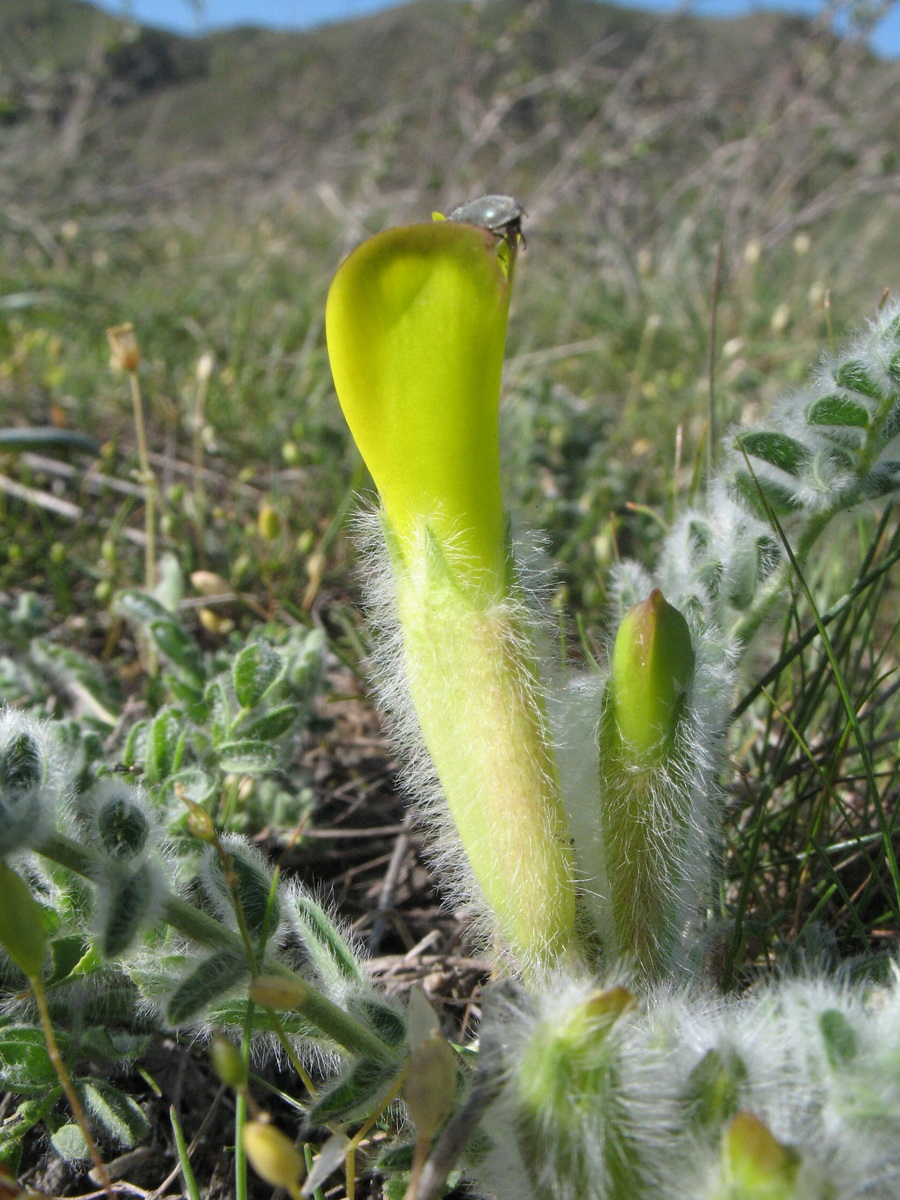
<point x="200" y="823"/>
<point x="645" y="809"/>
<point x="568" y="1061"/>
<point x="652" y="667"/>
<point x="572" y="1120"/>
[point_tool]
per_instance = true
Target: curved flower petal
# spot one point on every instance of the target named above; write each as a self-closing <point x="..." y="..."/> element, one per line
<point x="416" y="325"/>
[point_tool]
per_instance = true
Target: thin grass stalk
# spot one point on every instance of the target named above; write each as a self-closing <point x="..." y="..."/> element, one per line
<point x="65" y="1079"/>
<point x="889" y="854"/>
<point x="187" y="1171"/>
<point x="148" y="479"/>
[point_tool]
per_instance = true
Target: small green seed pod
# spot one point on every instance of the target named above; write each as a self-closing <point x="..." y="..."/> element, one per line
<point x="277" y="991"/>
<point x="227" y="1062"/>
<point x="22" y="932"/>
<point x="274" y="1157"/>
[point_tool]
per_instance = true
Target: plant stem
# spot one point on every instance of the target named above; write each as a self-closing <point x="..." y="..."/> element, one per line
<point x="40" y="996"/>
<point x="289" y="1050"/>
<point x="361" y="1134"/>
<point x="231" y="881"/>
<point x="197" y="446"/>
<point x="775" y="586"/>
<point x="349" y="1033"/>
<point x="148" y="479"/>
<point x="240" y="1112"/>
<point x="240" y="1156"/>
<point x="187" y="1171"/>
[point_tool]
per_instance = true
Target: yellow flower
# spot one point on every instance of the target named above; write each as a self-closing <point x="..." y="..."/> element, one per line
<point x="416" y="326"/>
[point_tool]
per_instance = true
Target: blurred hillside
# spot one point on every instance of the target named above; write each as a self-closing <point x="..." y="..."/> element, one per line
<point x="205" y="189"/>
<point x="599" y="113"/>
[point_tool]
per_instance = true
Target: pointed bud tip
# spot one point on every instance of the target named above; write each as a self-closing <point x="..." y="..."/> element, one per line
<point x="756" y="1161"/>
<point x="227" y="1062"/>
<point x="608" y="1005"/>
<point x="651" y="670"/>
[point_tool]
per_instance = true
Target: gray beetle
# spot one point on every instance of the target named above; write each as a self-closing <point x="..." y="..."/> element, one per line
<point x="502" y="215"/>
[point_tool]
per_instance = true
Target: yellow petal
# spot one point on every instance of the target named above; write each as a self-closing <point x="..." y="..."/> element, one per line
<point x="416" y="325"/>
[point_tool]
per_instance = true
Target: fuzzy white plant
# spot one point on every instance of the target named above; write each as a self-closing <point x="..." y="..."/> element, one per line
<point x="31" y="781"/>
<point x="416" y="323"/>
<point x="648" y="1085"/>
<point x="430" y="660"/>
<point x="822" y="450"/>
<point x="789" y="1093"/>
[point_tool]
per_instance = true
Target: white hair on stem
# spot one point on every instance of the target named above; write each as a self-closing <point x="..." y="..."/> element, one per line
<point x="513" y="624"/>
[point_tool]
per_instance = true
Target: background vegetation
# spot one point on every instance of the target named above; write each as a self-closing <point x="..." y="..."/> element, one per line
<point x="711" y="204"/>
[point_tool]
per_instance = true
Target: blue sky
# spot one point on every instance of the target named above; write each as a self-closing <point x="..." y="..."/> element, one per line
<point x="183" y="15"/>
